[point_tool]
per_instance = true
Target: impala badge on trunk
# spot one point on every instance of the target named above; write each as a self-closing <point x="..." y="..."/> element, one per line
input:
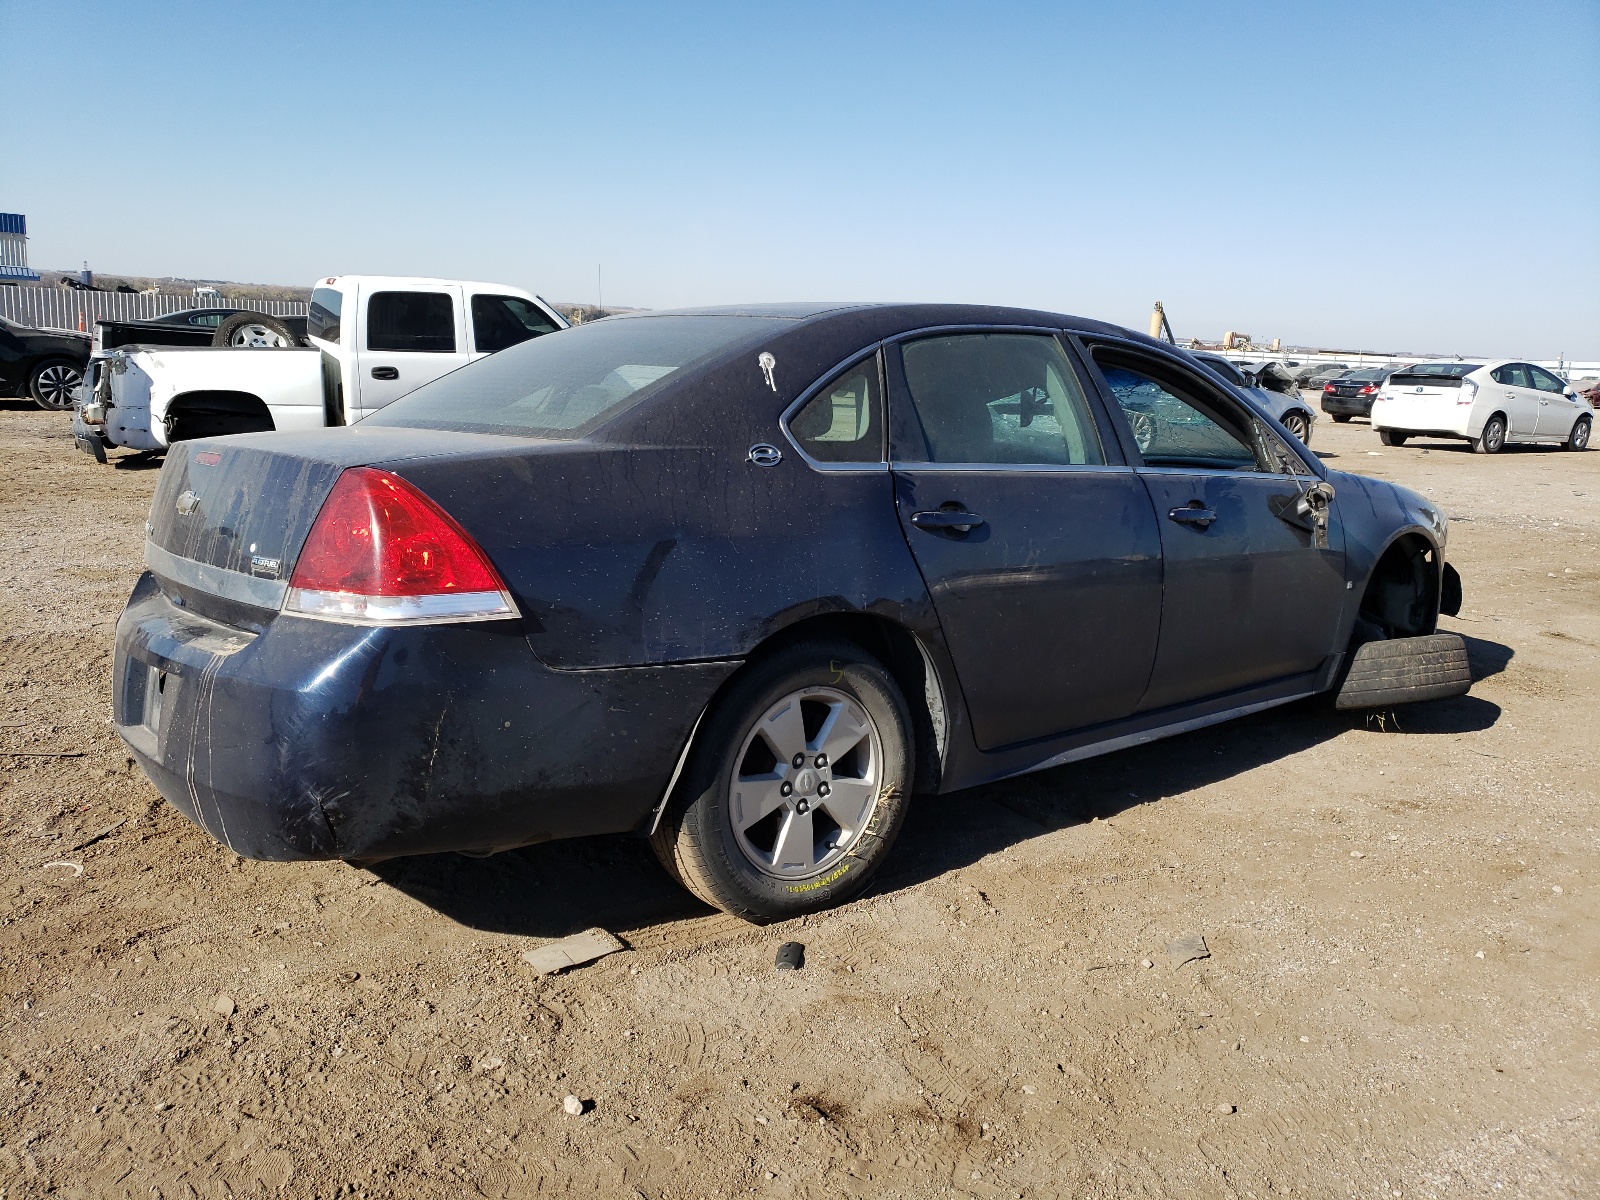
<point x="187" y="503"/>
<point x="268" y="568"/>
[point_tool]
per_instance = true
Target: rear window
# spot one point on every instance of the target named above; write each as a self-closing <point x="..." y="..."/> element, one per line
<point x="1363" y="376"/>
<point x="567" y="386"/>
<point x="1435" y="374"/>
<point x="322" y="318"/>
<point x="1449" y="370"/>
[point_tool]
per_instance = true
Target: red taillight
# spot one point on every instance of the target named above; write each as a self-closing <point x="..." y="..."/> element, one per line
<point x="1368" y="390"/>
<point x="1328" y="387"/>
<point x="380" y="552"/>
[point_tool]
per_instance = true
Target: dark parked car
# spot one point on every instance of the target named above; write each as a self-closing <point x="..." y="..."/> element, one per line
<point x="1322" y="374"/>
<point x="746" y="581"/>
<point x="238" y="327"/>
<point x="43" y="363"/>
<point x="1352" y="394"/>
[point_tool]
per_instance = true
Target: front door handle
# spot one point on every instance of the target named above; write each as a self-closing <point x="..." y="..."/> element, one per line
<point x="1193" y="516"/>
<point x="960" y="522"/>
<point x="386" y="372"/>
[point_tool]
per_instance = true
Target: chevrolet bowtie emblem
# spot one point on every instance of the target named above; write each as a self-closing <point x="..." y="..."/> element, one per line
<point x="187" y="503"/>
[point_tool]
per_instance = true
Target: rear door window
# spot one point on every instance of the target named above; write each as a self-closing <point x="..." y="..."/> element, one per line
<point x="844" y="421"/>
<point x="501" y="321"/>
<point x="1512" y="375"/>
<point x="999" y="398"/>
<point x="418" y="321"/>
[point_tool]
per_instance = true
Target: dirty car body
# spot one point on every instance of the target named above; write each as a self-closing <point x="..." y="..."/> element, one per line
<point x="664" y="501"/>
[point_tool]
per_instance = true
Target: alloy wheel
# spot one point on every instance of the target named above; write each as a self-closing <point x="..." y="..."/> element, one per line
<point x="56" y="383"/>
<point x="257" y="337"/>
<point x="805" y="783"/>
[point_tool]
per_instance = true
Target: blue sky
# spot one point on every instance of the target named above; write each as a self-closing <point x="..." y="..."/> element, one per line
<point x="1390" y="176"/>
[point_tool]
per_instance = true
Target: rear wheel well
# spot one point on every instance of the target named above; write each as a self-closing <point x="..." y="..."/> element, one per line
<point x="214" y="414"/>
<point x="1402" y="596"/>
<point x="899" y="650"/>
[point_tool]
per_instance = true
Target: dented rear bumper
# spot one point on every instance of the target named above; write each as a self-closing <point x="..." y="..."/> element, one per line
<point x="311" y="739"/>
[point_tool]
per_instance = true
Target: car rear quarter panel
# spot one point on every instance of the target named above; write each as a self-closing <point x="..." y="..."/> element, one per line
<point x="660" y="542"/>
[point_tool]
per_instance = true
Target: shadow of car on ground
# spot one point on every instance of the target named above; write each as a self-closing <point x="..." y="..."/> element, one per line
<point x="558" y="888"/>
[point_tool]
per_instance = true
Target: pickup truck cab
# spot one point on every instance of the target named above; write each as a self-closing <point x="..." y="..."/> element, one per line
<point x="370" y="339"/>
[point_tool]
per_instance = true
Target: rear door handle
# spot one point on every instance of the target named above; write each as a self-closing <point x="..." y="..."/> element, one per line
<point x="386" y="372"/>
<point x="961" y="522"/>
<point x="1193" y="516"/>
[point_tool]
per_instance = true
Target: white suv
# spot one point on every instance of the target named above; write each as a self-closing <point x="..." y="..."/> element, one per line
<point x="1487" y="405"/>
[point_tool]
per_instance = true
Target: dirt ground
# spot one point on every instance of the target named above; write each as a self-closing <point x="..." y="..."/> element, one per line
<point x="1401" y="997"/>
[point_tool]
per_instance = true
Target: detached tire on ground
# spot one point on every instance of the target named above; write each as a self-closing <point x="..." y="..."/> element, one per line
<point x="1406" y="670"/>
<point x="52" y="382"/>
<point x="797" y="785"/>
<point x="254" y="331"/>
<point x="1390" y="438"/>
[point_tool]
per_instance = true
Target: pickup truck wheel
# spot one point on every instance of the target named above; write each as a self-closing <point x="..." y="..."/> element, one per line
<point x="796" y="787"/>
<point x="1390" y="438"/>
<point x="52" y="382"/>
<point x="254" y="331"/>
<point x="1578" y="439"/>
<point x="1493" y="438"/>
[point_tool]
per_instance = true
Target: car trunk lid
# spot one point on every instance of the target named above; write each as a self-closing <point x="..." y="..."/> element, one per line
<point x="230" y="515"/>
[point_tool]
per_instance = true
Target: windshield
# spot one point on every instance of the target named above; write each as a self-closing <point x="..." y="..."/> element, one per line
<point x="566" y="384"/>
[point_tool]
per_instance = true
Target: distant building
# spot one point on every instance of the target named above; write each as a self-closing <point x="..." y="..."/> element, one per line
<point x="14" y="250"/>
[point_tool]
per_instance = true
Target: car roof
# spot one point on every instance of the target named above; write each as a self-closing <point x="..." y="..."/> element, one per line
<point x="894" y="318"/>
<point x="404" y="281"/>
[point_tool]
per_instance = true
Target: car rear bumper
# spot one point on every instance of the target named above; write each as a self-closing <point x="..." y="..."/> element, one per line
<point x="321" y="740"/>
<point x="1352" y="406"/>
<point x="87" y="437"/>
<point x="1442" y="419"/>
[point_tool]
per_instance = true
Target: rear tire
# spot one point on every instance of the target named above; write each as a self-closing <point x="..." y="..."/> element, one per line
<point x="1391" y="438"/>
<point x="1341" y="418"/>
<point x="254" y="331"/>
<point x="52" y="383"/>
<point x="1493" y="438"/>
<point x="734" y="838"/>
<point x="1578" y="439"/>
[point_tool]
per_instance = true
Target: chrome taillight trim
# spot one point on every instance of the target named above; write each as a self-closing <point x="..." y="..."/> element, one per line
<point x="446" y="608"/>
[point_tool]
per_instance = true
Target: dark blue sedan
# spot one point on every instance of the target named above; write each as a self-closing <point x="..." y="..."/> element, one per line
<point x="747" y="581"/>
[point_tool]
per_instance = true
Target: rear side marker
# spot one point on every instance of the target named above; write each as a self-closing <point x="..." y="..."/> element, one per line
<point x="382" y="553"/>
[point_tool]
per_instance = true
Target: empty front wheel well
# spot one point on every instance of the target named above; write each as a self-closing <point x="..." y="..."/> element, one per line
<point x="216" y="413"/>
<point x="1402" y="596"/>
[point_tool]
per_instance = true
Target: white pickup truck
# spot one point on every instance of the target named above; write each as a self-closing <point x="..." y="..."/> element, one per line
<point x="370" y="339"/>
